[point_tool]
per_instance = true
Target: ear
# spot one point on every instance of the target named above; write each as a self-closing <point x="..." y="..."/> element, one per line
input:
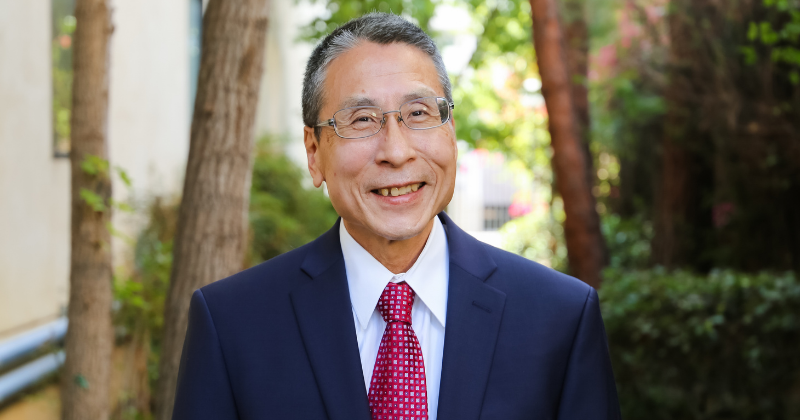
<point x="455" y="138"/>
<point x="313" y="154"/>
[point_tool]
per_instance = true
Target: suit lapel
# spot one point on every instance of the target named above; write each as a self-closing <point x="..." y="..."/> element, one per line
<point x="325" y="318"/>
<point x="474" y="311"/>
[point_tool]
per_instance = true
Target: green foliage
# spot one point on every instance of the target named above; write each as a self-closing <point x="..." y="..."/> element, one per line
<point x="140" y="295"/>
<point x="94" y="165"/>
<point x="538" y="236"/>
<point x="777" y="36"/>
<point x="93" y="200"/>
<point x="623" y="106"/>
<point x="339" y="12"/>
<point x="99" y="168"/>
<point x="123" y="176"/>
<point x="283" y="213"/>
<point x="628" y="241"/>
<point x="81" y="381"/>
<point x="722" y="346"/>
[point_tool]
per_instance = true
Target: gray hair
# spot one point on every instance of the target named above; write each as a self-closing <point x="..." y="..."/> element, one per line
<point x="380" y="28"/>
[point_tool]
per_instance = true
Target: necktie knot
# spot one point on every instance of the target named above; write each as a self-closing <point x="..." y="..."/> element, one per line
<point x="396" y="302"/>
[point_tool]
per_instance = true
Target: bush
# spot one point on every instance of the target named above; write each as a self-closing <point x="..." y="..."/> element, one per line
<point x="722" y="346"/>
<point x="283" y="213"/>
<point x="628" y="240"/>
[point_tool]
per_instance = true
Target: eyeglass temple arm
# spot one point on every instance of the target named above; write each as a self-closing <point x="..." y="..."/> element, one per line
<point x="328" y="123"/>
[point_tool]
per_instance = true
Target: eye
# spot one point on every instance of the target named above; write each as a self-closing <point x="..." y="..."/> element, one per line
<point x="418" y="113"/>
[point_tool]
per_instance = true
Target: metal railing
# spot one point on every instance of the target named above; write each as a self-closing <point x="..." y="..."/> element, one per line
<point x="27" y="344"/>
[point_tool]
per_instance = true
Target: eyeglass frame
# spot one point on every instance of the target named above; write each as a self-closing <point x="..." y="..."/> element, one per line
<point x="332" y="121"/>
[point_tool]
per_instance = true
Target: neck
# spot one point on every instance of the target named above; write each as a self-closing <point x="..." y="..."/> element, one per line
<point x="398" y="256"/>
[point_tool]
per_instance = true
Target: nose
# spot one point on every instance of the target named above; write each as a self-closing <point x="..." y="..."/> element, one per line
<point x="396" y="147"/>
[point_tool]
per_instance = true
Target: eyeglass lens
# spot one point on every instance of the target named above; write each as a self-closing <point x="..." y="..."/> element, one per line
<point x="417" y="114"/>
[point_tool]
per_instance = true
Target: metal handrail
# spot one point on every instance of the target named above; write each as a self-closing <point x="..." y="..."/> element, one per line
<point x="17" y="347"/>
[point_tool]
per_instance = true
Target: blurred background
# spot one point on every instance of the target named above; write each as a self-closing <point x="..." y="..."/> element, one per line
<point x="686" y="113"/>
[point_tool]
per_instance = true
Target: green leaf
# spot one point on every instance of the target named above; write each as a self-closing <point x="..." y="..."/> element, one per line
<point x="94" y="165"/>
<point x="121" y="206"/>
<point x="81" y="381"/>
<point x="123" y="175"/>
<point x="749" y="54"/>
<point x="794" y="77"/>
<point x="93" y="200"/>
<point x="768" y="35"/>
<point x="752" y="32"/>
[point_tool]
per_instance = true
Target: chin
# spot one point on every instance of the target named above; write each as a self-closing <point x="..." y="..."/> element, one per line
<point x="400" y="229"/>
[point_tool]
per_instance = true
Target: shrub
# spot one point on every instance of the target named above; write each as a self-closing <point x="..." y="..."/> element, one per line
<point x="722" y="346"/>
<point x="283" y="213"/>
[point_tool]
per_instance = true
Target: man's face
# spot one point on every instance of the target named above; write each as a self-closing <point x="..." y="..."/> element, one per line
<point x="356" y="170"/>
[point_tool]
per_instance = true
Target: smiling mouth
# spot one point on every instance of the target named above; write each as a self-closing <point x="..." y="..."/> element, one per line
<point x="398" y="191"/>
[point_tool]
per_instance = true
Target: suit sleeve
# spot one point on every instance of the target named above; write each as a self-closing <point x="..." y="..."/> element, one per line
<point x="589" y="391"/>
<point x="203" y="390"/>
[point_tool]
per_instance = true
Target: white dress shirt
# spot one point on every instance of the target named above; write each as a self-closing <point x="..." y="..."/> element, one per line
<point x="428" y="277"/>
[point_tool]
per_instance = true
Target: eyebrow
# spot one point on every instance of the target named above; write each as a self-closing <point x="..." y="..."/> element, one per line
<point x="365" y="101"/>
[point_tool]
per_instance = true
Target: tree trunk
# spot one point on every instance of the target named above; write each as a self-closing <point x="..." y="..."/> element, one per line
<point x="212" y="223"/>
<point x="582" y="229"/>
<point x="89" y="342"/>
<point x="576" y="36"/>
<point x="678" y="195"/>
<point x="576" y="39"/>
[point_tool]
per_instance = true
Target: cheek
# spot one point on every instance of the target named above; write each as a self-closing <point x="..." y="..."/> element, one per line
<point x="345" y="166"/>
<point x="445" y="155"/>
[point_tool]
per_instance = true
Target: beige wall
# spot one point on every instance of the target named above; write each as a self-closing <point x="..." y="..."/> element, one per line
<point x="34" y="186"/>
<point x="149" y="120"/>
<point x="149" y="115"/>
<point x="279" y="107"/>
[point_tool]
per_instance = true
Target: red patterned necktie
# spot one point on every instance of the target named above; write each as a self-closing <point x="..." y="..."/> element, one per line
<point x="397" y="390"/>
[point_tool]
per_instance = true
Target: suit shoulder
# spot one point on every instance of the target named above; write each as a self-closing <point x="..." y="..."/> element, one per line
<point x="517" y="274"/>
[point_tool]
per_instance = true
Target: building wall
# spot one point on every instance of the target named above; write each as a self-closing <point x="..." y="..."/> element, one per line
<point x="279" y="107"/>
<point x="149" y="119"/>
<point x="149" y="106"/>
<point x="34" y="186"/>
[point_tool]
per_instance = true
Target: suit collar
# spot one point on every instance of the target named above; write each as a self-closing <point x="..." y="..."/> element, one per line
<point x="325" y="319"/>
<point x="474" y="312"/>
<point x="467" y="252"/>
<point x="323" y="252"/>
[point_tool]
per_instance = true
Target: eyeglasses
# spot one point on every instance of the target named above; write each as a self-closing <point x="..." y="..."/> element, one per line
<point x="363" y="121"/>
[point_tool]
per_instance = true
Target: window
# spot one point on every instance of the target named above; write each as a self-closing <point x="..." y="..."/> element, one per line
<point x="61" y="46"/>
<point x="195" y="42"/>
<point x="495" y="216"/>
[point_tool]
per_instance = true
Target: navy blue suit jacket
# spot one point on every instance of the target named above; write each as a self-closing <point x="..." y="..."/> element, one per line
<point x="278" y="341"/>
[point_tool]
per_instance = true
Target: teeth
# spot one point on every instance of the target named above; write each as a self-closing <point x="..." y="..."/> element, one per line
<point x="398" y="191"/>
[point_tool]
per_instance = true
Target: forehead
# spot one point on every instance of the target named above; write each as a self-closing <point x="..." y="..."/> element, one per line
<point x="383" y="75"/>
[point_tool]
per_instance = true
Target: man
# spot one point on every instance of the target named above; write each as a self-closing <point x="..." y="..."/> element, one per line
<point x="395" y="313"/>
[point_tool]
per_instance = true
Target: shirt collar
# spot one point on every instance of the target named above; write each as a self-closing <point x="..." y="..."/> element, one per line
<point x="366" y="277"/>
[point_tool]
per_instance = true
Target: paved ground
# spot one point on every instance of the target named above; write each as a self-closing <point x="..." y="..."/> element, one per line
<point x="43" y="405"/>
